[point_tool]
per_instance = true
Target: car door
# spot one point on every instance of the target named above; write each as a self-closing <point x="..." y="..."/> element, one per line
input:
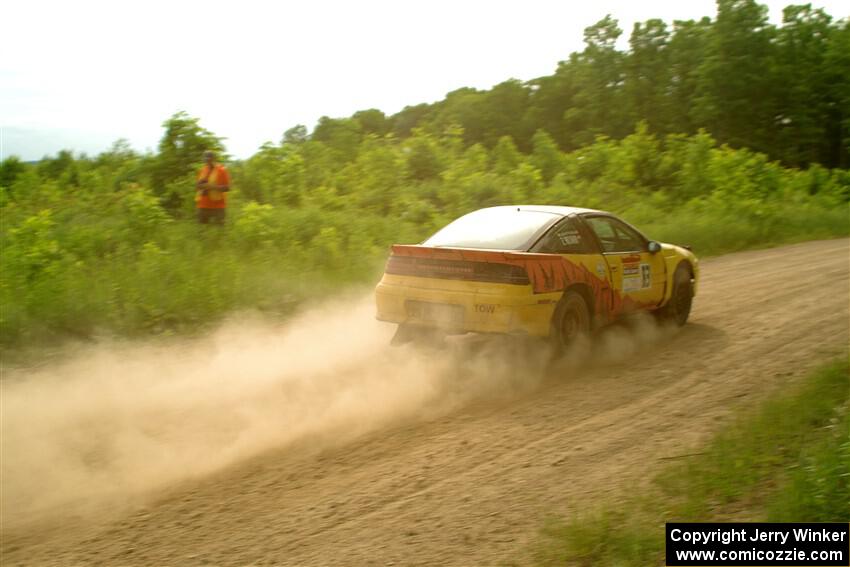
<point x="635" y="272"/>
<point x="574" y="242"/>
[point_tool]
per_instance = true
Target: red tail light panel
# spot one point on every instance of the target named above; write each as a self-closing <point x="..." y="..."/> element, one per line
<point x="450" y="269"/>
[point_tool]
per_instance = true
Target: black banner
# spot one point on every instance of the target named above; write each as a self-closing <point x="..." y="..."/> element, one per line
<point x="758" y="544"/>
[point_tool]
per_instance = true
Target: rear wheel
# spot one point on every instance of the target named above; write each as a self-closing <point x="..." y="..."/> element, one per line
<point x="571" y="321"/>
<point x="678" y="308"/>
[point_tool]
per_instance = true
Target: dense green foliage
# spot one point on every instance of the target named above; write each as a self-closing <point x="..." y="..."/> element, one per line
<point x="109" y="245"/>
<point x="779" y="90"/>
<point x="789" y="461"/>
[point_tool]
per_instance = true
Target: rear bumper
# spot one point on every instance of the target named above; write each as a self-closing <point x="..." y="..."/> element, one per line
<point x="461" y="306"/>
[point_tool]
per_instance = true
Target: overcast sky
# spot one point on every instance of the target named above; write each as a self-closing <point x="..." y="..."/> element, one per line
<point x="80" y="75"/>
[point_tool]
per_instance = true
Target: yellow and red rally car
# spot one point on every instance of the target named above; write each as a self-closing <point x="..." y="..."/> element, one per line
<point x="540" y="271"/>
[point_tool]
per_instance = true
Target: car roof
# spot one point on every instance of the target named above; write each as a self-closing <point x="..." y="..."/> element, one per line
<point x="552" y="209"/>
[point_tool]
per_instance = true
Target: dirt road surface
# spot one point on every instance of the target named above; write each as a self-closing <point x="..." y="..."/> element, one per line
<point x="471" y="483"/>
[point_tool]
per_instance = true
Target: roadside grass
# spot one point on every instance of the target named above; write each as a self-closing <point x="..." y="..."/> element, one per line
<point x="185" y="281"/>
<point x="787" y="461"/>
<point x="711" y="232"/>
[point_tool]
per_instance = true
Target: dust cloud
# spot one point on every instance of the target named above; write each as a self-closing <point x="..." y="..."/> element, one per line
<point x="115" y="423"/>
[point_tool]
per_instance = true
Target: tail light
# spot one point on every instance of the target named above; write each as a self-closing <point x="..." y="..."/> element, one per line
<point x="491" y="272"/>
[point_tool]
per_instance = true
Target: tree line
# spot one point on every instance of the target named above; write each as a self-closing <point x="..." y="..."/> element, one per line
<point x="780" y="90"/>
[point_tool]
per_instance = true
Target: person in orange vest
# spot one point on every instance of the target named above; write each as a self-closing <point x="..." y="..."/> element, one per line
<point x="211" y="191"/>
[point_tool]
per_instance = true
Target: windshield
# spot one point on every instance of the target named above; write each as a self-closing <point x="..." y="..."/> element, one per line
<point x="502" y="228"/>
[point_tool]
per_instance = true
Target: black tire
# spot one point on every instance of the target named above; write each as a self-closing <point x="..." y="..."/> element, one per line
<point x="570" y="321"/>
<point x="678" y="308"/>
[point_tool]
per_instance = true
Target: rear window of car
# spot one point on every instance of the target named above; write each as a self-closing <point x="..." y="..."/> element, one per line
<point x="565" y="238"/>
<point x="494" y="229"/>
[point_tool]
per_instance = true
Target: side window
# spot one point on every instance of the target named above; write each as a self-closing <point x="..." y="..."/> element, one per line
<point x="615" y="236"/>
<point x="565" y="238"/>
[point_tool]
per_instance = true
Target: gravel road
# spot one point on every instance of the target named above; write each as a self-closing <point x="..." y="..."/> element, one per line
<point x="470" y="482"/>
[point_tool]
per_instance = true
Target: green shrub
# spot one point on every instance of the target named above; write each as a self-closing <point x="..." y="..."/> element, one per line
<point x="89" y="247"/>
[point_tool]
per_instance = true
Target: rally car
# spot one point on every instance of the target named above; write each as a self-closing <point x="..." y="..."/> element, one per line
<point x="541" y="271"/>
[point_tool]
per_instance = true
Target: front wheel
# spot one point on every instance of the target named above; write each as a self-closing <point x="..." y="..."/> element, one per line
<point x="571" y="321"/>
<point x="678" y="308"/>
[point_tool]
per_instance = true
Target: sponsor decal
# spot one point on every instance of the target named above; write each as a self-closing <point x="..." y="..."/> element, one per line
<point x="601" y="271"/>
<point x="569" y="237"/>
<point x="637" y="277"/>
<point x="631" y="284"/>
<point x="631" y="270"/>
<point x="645" y="276"/>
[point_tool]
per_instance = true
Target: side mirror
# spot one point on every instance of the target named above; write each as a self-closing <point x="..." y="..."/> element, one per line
<point x="653" y="247"/>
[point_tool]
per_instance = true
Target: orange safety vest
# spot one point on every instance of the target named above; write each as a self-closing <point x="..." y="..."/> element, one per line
<point x="214" y="199"/>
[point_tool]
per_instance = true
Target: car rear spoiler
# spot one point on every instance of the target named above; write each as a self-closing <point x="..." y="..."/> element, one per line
<point x="468" y="254"/>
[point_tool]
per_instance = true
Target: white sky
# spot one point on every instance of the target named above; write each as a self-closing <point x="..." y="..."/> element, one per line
<point x="79" y="75"/>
